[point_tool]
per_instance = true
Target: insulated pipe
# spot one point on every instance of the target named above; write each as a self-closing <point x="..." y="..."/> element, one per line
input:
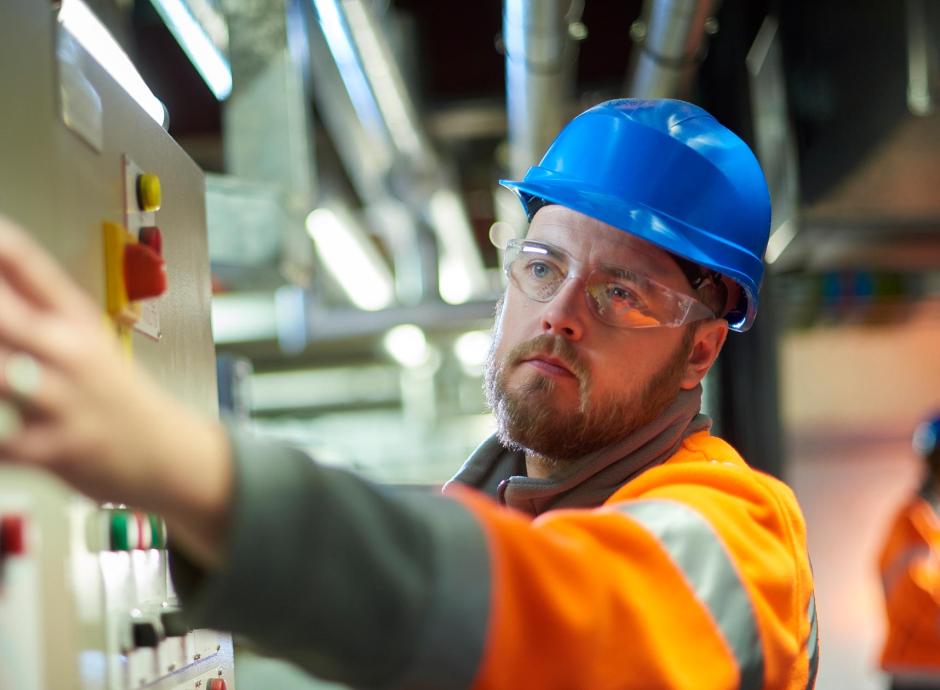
<point x="669" y="43"/>
<point x="540" y="55"/>
<point x="381" y="139"/>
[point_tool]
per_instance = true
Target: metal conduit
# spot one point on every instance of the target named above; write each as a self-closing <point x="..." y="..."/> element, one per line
<point x="540" y="56"/>
<point x="669" y="43"/>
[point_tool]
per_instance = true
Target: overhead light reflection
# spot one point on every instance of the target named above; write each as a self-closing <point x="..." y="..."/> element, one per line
<point x="195" y="42"/>
<point x="454" y="280"/>
<point x="243" y="317"/>
<point x="780" y="240"/>
<point x="350" y="71"/>
<point x="351" y="259"/>
<point x="460" y="269"/>
<point x="471" y="349"/>
<point x="407" y="345"/>
<point x="387" y="86"/>
<point x="76" y="18"/>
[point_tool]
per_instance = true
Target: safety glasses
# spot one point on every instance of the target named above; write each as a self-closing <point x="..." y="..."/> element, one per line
<point x="616" y="295"/>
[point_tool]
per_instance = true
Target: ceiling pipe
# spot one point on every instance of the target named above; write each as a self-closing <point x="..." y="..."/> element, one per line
<point x="670" y="40"/>
<point x="539" y="37"/>
<point x="383" y="143"/>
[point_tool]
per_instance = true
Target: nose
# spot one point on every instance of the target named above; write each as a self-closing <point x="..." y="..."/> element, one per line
<point x="566" y="313"/>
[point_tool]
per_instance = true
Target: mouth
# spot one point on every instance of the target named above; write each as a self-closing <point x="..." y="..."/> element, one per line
<point x="549" y="365"/>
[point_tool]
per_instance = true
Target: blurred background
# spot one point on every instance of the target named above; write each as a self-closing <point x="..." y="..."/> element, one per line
<point x="354" y="148"/>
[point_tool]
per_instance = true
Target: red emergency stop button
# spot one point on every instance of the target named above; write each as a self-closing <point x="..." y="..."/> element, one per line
<point x="151" y="236"/>
<point x="144" y="272"/>
<point x="12" y="535"/>
<point x="216" y="684"/>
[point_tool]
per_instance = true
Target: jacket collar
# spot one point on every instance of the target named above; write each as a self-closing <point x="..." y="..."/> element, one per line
<point x="590" y="480"/>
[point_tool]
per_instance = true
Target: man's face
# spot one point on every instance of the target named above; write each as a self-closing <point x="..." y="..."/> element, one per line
<point x="561" y="382"/>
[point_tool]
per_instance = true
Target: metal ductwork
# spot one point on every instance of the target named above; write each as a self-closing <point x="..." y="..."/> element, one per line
<point x="669" y="43"/>
<point x="774" y="138"/>
<point x="541" y="51"/>
<point x="256" y="211"/>
<point x="868" y="166"/>
<point x="286" y="55"/>
<point x="267" y="120"/>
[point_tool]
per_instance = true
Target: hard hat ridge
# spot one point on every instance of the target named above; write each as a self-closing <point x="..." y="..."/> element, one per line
<point x="668" y="172"/>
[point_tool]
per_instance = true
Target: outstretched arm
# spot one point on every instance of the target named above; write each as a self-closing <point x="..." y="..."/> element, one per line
<point x="315" y="565"/>
<point x="697" y="576"/>
<point x="92" y="416"/>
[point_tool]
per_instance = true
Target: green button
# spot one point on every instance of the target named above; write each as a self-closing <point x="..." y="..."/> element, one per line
<point x="120" y="529"/>
<point x="157" y="532"/>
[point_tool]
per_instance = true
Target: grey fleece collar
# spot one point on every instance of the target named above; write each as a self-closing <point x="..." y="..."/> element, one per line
<point x="590" y="480"/>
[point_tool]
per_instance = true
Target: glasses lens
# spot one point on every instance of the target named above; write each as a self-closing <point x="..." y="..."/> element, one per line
<point x="617" y="296"/>
<point x="536" y="270"/>
<point x="630" y="300"/>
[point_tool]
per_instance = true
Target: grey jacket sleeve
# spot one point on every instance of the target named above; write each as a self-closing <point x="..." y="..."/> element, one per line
<point x="351" y="581"/>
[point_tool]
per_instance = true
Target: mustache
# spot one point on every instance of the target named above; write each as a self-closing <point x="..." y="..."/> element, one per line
<point x="554" y="346"/>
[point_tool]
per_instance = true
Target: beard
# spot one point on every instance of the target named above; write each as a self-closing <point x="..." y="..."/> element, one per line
<point x="529" y="418"/>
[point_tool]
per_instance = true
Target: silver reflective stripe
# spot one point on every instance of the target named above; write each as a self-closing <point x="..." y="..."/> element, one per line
<point x="812" y="643"/>
<point x="693" y="545"/>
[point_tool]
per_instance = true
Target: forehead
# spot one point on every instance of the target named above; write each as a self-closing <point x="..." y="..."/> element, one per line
<point x="593" y="241"/>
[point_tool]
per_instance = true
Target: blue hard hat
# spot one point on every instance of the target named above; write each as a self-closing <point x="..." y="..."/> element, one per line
<point x="668" y="172"/>
<point x="926" y="436"/>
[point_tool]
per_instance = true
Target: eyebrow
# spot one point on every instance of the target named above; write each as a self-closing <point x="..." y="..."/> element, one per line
<point x="658" y="270"/>
<point x="619" y="271"/>
<point x="659" y="266"/>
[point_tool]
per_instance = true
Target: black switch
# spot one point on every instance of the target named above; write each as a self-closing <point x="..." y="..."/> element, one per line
<point x="146" y="635"/>
<point x="174" y="623"/>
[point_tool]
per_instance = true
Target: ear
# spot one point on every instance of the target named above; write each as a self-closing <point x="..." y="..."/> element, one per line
<point x="707" y="342"/>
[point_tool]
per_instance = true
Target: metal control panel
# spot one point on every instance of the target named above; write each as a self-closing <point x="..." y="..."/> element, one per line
<point x="86" y="601"/>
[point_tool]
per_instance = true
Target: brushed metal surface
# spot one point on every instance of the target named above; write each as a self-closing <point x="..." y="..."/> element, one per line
<point x="57" y="186"/>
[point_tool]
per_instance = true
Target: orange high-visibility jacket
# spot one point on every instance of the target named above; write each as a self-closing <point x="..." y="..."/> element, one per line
<point x="910" y="574"/>
<point x="688" y="574"/>
<point x="694" y="575"/>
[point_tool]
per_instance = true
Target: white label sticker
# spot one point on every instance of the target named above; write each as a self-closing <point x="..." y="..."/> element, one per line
<point x="80" y="103"/>
<point x="149" y="323"/>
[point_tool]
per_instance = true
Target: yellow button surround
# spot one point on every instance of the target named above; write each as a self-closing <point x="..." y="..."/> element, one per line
<point x="120" y="308"/>
<point x="149" y="194"/>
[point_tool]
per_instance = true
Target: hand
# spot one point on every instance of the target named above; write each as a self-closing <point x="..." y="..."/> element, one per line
<point x="93" y="417"/>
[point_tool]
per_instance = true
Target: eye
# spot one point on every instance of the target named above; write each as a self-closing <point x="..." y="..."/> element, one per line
<point x="539" y="270"/>
<point x="623" y="296"/>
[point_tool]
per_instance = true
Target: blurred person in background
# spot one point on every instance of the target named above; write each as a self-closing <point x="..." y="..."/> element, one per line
<point x="910" y="576"/>
<point x="602" y="538"/>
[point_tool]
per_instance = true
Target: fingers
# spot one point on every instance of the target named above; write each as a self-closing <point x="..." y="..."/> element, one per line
<point x="34" y="273"/>
<point x="11" y="421"/>
<point x="34" y="389"/>
<point x="48" y="337"/>
<point x="34" y="445"/>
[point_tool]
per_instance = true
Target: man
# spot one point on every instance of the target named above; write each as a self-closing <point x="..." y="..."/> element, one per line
<point x="602" y="539"/>
<point x="910" y="575"/>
